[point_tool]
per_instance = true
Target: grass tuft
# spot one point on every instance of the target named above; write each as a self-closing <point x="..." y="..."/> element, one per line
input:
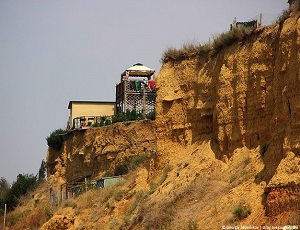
<point x="137" y="160"/>
<point x="187" y="51"/>
<point x="228" y="38"/>
<point x="241" y="211"/>
<point x="191" y="50"/>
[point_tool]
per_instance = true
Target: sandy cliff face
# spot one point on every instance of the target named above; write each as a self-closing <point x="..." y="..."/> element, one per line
<point x="100" y="151"/>
<point x="248" y="95"/>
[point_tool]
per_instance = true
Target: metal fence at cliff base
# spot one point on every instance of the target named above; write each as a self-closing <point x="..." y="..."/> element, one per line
<point x="72" y="189"/>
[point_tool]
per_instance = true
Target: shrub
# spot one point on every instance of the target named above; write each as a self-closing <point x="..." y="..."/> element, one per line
<point x="161" y="219"/>
<point x="153" y="185"/>
<point x="118" y="118"/>
<point x="241" y="211"/>
<point x="228" y="38"/>
<point x="192" y="225"/>
<point x="151" y="115"/>
<point x="56" y="139"/>
<point x="164" y="174"/>
<point x="137" y="160"/>
<point x="118" y="194"/>
<point x="13" y="218"/>
<point x="191" y="50"/>
<point x="107" y="193"/>
<point x="139" y="197"/>
<point x="188" y="50"/>
<point x="69" y="203"/>
<point x="33" y="219"/>
<point x="107" y="122"/>
<point x="171" y="54"/>
<point x="101" y="123"/>
<point x="130" y="164"/>
<point x="131" y="115"/>
<point x="140" y="116"/>
<point x="96" y="124"/>
<point x="162" y="178"/>
<point x="104" y="121"/>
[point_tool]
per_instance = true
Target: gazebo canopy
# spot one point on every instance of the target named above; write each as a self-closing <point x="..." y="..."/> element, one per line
<point x="139" y="70"/>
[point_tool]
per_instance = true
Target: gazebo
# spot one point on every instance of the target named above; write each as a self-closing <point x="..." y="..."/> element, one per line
<point x="136" y="90"/>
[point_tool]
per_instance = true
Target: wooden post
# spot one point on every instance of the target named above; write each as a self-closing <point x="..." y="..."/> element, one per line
<point x="260" y="20"/>
<point x="125" y="95"/>
<point x="61" y="193"/>
<point x="4" y="216"/>
<point x="51" y="196"/>
<point x="67" y="194"/>
<point x="85" y="185"/>
<point x="144" y="102"/>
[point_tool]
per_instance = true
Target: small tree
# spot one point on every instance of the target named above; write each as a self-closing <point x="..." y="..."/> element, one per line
<point x="4" y="187"/>
<point x="24" y="184"/>
<point x="42" y="172"/>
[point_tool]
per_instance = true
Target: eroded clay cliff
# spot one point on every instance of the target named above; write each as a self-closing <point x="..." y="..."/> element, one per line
<point x="248" y="95"/>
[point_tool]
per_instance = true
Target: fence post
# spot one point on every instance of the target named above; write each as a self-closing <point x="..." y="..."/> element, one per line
<point x="144" y="101"/>
<point x="260" y="20"/>
<point x="61" y="194"/>
<point x="4" y="216"/>
<point x="67" y="193"/>
<point x="85" y="182"/>
<point x="50" y="192"/>
<point x="125" y="96"/>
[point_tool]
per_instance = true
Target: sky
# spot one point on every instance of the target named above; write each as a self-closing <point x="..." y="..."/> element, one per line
<point x="52" y="52"/>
